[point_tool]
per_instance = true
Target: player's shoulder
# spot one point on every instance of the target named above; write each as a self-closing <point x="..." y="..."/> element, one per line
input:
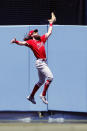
<point x="29" y="41"/>
<point x="43" y="38"/>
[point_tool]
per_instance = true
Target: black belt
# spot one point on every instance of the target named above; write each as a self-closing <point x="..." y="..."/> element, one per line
<point x="42" y="59"/>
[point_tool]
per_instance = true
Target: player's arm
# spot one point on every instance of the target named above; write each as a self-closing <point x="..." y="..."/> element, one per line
<point x="51" y="21"/>
<point x="19" y="42"/>
<point x="49" y="30"/>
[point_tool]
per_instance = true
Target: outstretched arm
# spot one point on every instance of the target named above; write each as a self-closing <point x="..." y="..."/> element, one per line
<point x="18" y="42"/>
<point x="51" y="21"/>
<point x="49" y="30"/>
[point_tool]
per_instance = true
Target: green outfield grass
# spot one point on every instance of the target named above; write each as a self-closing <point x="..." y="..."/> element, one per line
<point x="42" y="127"/>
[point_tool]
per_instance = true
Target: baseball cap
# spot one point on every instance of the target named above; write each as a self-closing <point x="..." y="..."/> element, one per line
<point x="32" y="31"/>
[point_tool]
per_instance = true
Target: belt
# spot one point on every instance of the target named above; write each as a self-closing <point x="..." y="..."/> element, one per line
<point x="42" y="59"/>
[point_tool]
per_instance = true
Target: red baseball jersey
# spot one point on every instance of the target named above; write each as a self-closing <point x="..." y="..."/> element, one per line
<point x="38" y="47"/>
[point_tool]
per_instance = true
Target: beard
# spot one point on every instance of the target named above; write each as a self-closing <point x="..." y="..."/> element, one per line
<point x="27" y="38"/>
<point x="37" y="37"/>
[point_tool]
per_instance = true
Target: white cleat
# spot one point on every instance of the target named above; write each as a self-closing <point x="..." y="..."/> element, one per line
<point x="30" y="98"/>
<point x="43" y="99"/>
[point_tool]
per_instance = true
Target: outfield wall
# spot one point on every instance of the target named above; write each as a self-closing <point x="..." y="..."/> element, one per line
<point x="67" y="58"/>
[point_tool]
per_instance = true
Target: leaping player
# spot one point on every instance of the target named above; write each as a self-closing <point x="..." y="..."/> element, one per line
<point x="37" y="44"/>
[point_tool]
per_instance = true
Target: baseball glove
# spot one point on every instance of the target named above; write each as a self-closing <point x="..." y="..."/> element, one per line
<point x="53" y="18"/>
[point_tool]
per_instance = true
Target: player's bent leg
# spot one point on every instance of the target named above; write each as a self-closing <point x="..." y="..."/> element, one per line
<point x="49" y="76"/>
<point x="44" y="72"/>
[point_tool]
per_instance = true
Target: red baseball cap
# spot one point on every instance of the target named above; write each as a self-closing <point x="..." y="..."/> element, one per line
<point x="32" y="31"/>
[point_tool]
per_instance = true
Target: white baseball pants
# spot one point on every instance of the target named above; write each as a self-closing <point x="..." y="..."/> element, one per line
<point x="43" y="71"/>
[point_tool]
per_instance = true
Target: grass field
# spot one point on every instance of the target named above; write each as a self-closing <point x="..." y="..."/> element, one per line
<point x="42" y="127"/>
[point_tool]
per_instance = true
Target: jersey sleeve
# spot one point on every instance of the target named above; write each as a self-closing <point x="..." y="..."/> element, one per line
<point x="29" y="43"/>
<point x="43" y="38"/>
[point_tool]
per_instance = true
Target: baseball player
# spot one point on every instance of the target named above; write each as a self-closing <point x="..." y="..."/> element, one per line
<point x="37" y="44"/>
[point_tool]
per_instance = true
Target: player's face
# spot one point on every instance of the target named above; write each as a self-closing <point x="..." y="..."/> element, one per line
<point x="36" y="36"/>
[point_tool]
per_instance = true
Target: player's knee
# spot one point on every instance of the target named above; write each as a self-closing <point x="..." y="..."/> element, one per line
<point x="50" y="78"/>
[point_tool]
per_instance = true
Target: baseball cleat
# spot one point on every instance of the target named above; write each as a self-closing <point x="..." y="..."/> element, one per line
<point x="30" y="98"/>
<point x="43" y="99"/>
